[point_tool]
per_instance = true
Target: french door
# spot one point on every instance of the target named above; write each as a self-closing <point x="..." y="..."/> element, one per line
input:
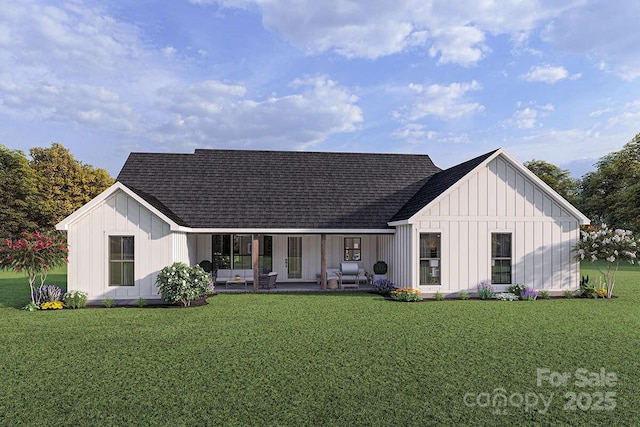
<point x="294" y="258"/>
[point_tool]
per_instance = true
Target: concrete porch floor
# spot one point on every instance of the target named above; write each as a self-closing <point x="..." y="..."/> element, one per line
<point x="289" y="287"/>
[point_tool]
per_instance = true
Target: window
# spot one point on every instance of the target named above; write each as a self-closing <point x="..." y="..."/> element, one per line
<point x="430" y="259"/>
<point x="121" y="261"/>
<point x="501" y="258"/>
<point x="352" y="248"/>
<point x="221" y="249"/>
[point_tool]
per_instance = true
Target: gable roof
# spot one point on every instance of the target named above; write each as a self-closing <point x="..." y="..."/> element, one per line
<point x="438" y="184"/>
<point x="444" y="182"/>
<point x="233" y="189"/>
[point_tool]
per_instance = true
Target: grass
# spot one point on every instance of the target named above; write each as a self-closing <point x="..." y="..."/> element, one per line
<point x="325" y="359"/>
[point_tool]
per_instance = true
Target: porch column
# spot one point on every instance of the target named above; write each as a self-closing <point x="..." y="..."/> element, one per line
<point x="323" y="262"/>
<point x="255" y="256"/>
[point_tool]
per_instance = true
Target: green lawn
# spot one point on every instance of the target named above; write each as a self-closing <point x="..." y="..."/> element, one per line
<point x="325" y="359"/>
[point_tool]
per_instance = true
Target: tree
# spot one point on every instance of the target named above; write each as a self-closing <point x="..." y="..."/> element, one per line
<point x="65" y="182"/>
<point x="611" y="194"/>
<point x="20" y="200"/>
<point x="34" y="254"/>
<point x="558" y="179"/>
<point x="609" y="246"/>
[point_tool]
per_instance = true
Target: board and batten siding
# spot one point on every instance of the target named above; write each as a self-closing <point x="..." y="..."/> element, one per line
<point x="497" y="199"/>
<point x="88" y="239"/>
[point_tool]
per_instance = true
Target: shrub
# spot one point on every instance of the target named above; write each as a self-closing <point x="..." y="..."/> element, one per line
<point x="52" y="305"/>
<point x="568" y="294"/>
<point x="544" y="295"/>
<point x="516" y="289"/>
<point x="486" y="290"/>
<point x="406" y="294"/>
<point x="383" y="286"/>
<point x="140" y="302"/>
<point x="109" y="302"/>
<point x="439" y="296"/>
<point x="529" y="294"/>
<point x="47" y="293"/>
<point x="463" y="295"/>
<point x="32" y="306"/>
<point x="587" y="290"/>
<point x="75" y="299"/>
<point x="610" y="246"/>
<point x="506" y="296"/>
<point x="181" y="283"/>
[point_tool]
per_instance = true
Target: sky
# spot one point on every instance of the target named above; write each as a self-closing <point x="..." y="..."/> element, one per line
<point x="555" y="80"/>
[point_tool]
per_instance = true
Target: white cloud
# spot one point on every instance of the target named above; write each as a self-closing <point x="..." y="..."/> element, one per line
<point x="214" y="114"/>
<point x="446" y="102"/>
<point x="548" y="74"/>
<point x="77" y="65"/>
<point x="452" y="31"/>
<point x="415" y="133"/>
<point x="525" y="119"/>
<point x="603" y="31"/>
<point x="528" y="117"/>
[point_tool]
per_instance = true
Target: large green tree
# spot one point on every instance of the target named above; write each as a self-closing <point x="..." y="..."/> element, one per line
<point x="65" y="182"/>
<point x="20" y="199"/>
<point x="558" y="179"/>
<point x="611" y="194"/>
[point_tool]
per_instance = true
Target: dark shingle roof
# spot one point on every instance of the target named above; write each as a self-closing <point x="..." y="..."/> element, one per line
<point x="278" y="189"/>
<point x="436" y="185"/>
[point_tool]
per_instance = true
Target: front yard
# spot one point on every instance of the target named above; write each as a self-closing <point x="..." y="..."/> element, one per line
<point x="323" y="359"/>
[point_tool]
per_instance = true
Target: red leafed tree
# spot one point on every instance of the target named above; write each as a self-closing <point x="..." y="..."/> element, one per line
<point x="34" y="254"/>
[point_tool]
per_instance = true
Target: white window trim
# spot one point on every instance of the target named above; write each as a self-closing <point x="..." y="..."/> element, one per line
<point x="490" y="255"/>
<point x="107" y="261"/>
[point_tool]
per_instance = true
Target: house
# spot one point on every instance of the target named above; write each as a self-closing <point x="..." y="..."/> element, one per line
<point x="488" y="219"/>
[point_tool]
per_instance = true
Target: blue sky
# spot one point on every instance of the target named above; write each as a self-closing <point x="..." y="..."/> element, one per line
<point x="552" y="80"/>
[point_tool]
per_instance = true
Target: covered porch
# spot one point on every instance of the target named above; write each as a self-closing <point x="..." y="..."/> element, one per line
<point x="303" y="262"/>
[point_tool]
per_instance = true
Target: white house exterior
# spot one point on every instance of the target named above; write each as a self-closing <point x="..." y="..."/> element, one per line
<point x="489" y="219"/>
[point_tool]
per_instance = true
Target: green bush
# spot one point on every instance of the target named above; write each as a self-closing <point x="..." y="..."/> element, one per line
<point x="109" y="302"/>
<point x="544" y="295"/>
<point x="181" y="283"/>
<point x="568" y="294"/>
<point x="516" y="289"/>
<point x="75" y="299"/>
<point x="439" y="296"/>
<point x="140" y="302"/>
<point x="486" y="290"/>
<point x="463" y="295"/>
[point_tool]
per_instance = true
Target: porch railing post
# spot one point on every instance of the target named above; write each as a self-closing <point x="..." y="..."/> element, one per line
<point x="255" y="256"/>
<point x="323" y="262"/>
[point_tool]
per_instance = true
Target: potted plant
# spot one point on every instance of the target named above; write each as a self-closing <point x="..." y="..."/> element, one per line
<point x="379" y="271"/>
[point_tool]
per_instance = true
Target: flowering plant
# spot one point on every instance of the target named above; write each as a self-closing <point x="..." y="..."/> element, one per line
<point x="179" y="282"/>
<point x="383" y="286"/>
<point x="506" y="296"/>
<point x="529" y="294"/>
<point x="608" y="245"/>
<point x="486" y="290"/>
<point x="46" y="293"/>
<point x="406" y="294"/>
<point x="34" y="254"/>
<point x="75" y="299"/>
<point x="52" y="305"/>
